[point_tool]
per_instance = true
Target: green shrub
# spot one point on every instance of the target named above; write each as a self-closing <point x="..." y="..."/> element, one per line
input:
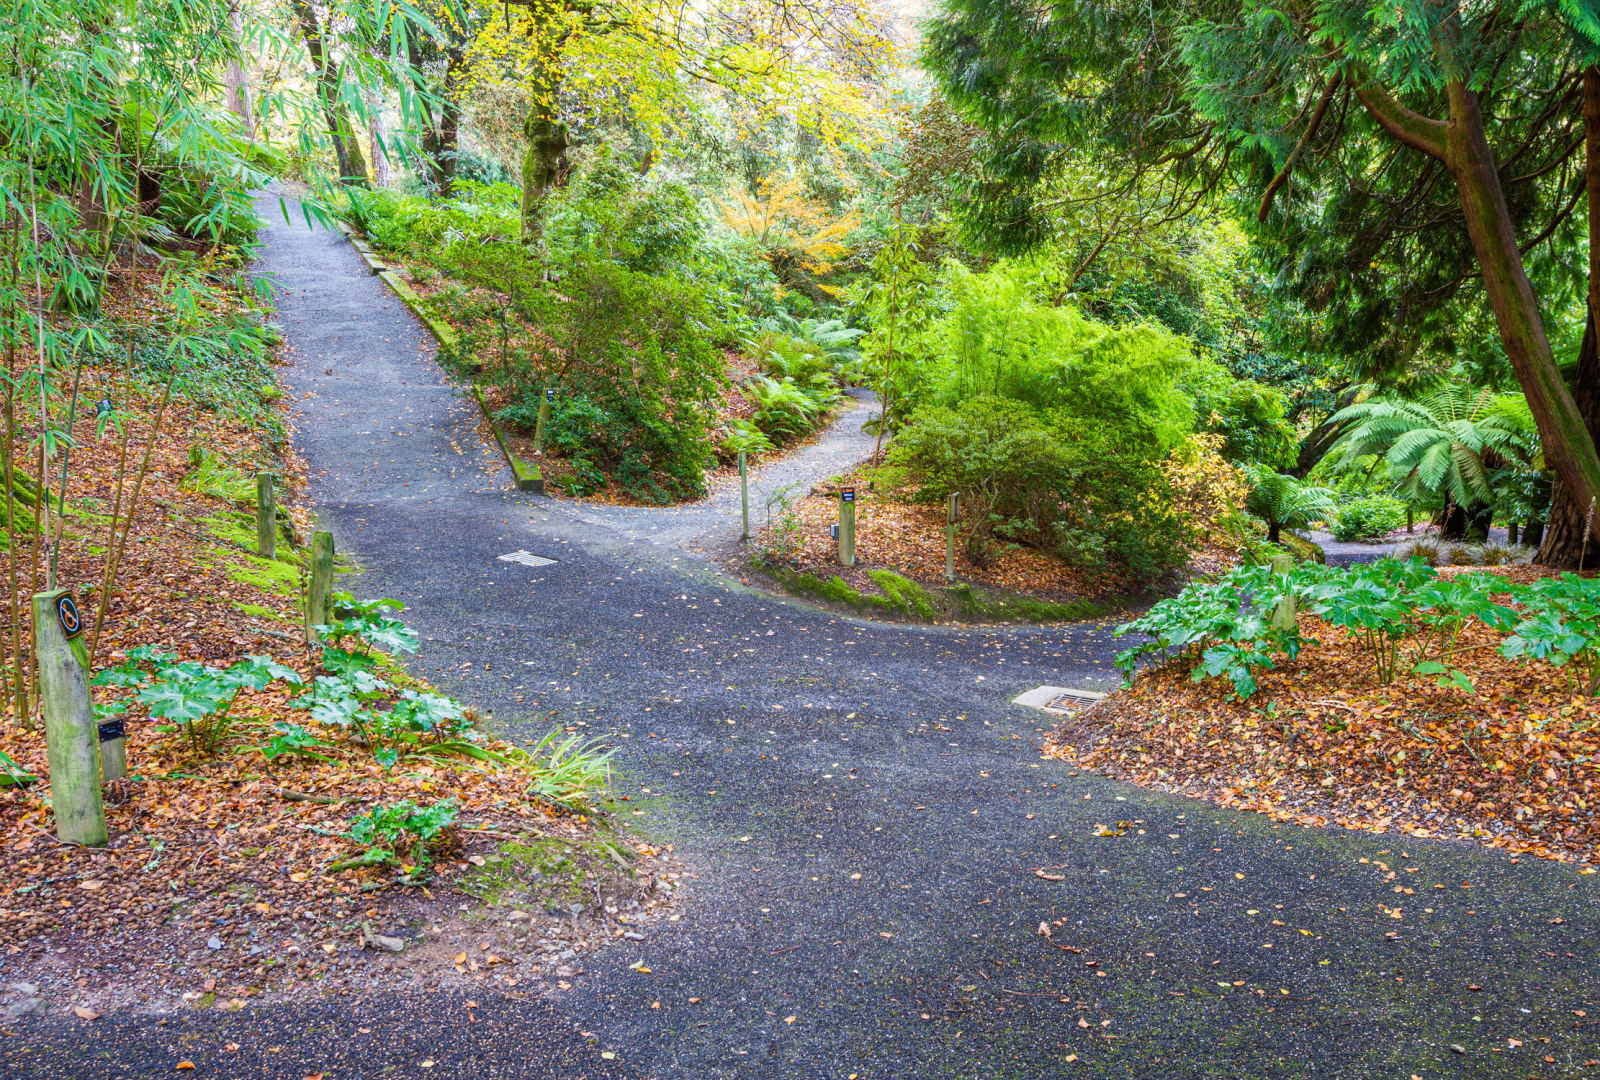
<point x="999" y="339"/>
<point x="1247" y="414"/>
<point x="1051" y="481"/>
<point x="191" y="697"/>
<point x="1368" y="518"/>
<point x="632" y="360"/>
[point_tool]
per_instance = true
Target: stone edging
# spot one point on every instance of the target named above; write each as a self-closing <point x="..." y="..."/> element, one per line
<point x="525" y="474"/>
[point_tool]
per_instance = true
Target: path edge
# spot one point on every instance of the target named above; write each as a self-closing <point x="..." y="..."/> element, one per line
<point x="525" y="475"/>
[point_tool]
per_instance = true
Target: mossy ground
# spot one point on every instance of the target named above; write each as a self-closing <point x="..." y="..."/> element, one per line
<point x="560" y="876"/>
<point x="900" y="597"/>
<point x="281" y="575"/>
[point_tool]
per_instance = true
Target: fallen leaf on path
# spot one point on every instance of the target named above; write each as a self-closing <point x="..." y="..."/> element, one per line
<point x="85" y="1013"/>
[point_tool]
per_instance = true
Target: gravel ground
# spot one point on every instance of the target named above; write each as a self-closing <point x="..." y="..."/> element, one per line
<point x="878" y="839"/>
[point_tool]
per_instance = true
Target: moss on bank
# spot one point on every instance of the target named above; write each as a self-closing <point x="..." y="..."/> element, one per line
<point x="900" y="597"/>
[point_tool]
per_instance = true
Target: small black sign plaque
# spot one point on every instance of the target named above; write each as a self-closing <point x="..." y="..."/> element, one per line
<point x="67" y="615"/>
<point x="113" y="729"/>
<point x="847" y="494"/>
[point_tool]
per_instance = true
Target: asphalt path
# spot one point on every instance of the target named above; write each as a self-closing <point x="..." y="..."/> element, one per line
<point x="877" y="839"/>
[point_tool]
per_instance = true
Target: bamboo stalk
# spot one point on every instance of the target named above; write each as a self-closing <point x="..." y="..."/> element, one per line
<point x="19" y="686"/>
<point x="19" y="691"/>
<point x="66" y="454"/>
<point x="133" y="509"/>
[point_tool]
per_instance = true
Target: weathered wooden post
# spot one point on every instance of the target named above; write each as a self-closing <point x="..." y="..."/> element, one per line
<point x="847" y="526"/>
<point x="543" y="421"/>
<point x="71" y="738"/>
<point x="266" y="517"/>
<point x="744" y="496"/>
<point x="1283" y="614"/>
<point x="950" y="536"/>
<point x="319" y="586"/>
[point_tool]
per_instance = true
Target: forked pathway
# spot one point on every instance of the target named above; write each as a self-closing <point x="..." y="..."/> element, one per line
<point x="877" y="838"/>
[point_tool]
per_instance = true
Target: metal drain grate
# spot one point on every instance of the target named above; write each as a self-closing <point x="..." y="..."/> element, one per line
<point x="1073" y="700"/>
<point x="1057" y="699"/>
<point x="527" y="558"/>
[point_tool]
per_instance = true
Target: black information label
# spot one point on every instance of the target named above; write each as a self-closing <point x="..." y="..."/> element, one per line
<point x="549" y="393"/>
<point x="847" y="494"/>
<point x="67" y="614"/>
<point x="113" y="729"/>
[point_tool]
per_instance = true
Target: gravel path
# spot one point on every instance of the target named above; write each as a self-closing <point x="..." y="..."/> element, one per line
<point x="877" y="838"/>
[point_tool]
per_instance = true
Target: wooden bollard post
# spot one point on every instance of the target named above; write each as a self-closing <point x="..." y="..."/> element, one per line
<point x="1283" y="613"/>
<point x="847" y="526"/>
<point x="71" y="738"/>
<point x="266" y="517"/>
<point x="319" y="587"/>
<point x="543" y="421"/>
<point x="950" y="537"/>
<point x="744" y="496"/>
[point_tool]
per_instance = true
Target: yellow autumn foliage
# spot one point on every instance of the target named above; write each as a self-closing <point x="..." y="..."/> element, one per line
<point x="751" y="62"/>
<point x="794" y="231"/>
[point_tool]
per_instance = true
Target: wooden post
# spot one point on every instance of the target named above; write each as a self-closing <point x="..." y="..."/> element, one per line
<point x="744" y="496"/>
<point x="1283" y="614"/>
<point x="266" y="517"/>
<point x="847" y="526"/>
<point x="543" y="421"/>
<point x="71" y="740"/>
<point x="319" y="587"/>
<point x="950" y="536"/>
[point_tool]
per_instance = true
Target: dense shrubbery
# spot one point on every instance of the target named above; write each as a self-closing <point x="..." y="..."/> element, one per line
<point x="632" y="359"/>
<point x="1405" y="617"/>
<point x="622" y="314"/>
<point x="1048" y="479"/>
<point x="1054" y="426"/>
<point x="1369" y="517"/>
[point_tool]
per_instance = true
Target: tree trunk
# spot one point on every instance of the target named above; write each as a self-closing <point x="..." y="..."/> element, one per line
<point x="238" y="96"/>
<point x="380" y="134"/>
<point x="1563" y="545"/>
<point x="1567" y="444"/>
<point x="1321" y="438"/>
<point x="1480" y="519"/>
<point x="450" y="118"/>
<point x="1452" y="523"/>
<point x="441" y="135"/>
<point x="1463" y="147"/>
<point x="542" y="169"/>
<point x="346" y="146"/>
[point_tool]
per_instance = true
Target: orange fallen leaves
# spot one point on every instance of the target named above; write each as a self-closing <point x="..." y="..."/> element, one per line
<point x="1516" y="766"/>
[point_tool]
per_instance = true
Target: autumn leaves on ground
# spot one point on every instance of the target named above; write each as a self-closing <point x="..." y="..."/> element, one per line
<point x="1484" y="748"/>
<point x="223" y="871"/>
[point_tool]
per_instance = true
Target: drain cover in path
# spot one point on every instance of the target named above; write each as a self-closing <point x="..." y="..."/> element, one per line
<point x="1057" y="699"/>
<point x="527" y="558"/>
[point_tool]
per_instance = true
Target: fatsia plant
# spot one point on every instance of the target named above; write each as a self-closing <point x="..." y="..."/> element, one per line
<point x="1286" y="503"/>
<point x="1446" y="444"/>
<point x="195" y="698"/>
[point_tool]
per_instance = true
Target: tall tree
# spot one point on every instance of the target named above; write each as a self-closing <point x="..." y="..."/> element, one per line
<point x="1369" y="132"/>
<point x="654" y="64"/>
<point x="327" y="70"/>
